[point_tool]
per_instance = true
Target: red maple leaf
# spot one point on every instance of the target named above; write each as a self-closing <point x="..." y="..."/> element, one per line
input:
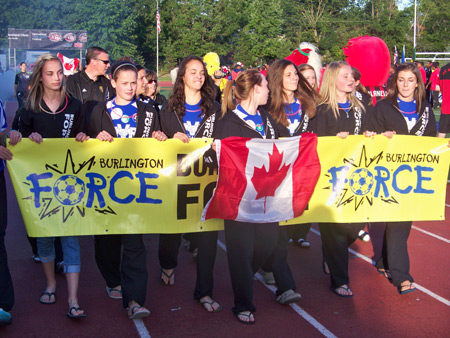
<point x="267" y="182"/>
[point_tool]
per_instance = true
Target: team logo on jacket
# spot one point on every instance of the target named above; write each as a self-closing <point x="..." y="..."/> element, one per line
<point x="209" y="126"/>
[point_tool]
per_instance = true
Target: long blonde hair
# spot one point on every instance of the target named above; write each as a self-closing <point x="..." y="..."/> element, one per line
<point x="36" y="92"/>
<point x="328" y="91"/>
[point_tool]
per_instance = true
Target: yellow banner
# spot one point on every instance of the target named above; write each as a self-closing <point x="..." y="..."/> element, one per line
<point x="128" y="186"/>
<point x="145" y="186"/>
<point x="379" y="179"/>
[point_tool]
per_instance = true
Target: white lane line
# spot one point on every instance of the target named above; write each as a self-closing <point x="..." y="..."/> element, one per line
<point x="432" y="294"/>
<point x="306" y="316"/>
<point x="431" y="234"/>
<point x="421" y="288"/>
<point x="142" y="330"/>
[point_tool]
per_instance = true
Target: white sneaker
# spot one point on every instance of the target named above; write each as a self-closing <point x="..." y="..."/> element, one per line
<point x="304" y="243"/>
<point x="268" y="278"/>
<point x="289" y="297"/>
<point x="364" y="236"/>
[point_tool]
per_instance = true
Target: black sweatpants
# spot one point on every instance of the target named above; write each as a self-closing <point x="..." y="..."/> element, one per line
<point x="249" y="245"/>
<point x="206" y="243"/>
<point x="297" y="231"/>
<point x="169" y="244"/>
<point x="206" y="256"/>
<point x="122" y="260"/>
<point x="277" y="263"/>
<point x="6" y="285"/>
<point x="108" y="251"/>
<point x="336" y="238"/>
<point x="394" y="254"/>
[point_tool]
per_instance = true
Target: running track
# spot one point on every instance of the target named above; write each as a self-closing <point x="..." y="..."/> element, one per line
<point x="376" y="310"/>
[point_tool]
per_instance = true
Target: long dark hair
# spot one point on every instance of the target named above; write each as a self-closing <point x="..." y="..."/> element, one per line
<point x="278" y="98"/>
<point x="178" y="98"/>
<point x="419" y="92"/>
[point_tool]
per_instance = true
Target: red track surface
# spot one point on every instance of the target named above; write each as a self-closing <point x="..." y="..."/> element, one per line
<point x="165" y="84"/>
<point x="376" y="310"/>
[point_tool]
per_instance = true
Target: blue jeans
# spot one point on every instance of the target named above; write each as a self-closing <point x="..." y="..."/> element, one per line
<point x="71" y="252"/>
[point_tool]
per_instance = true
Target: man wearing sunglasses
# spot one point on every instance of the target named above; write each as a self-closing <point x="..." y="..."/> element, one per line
<point x="91" y="85"/>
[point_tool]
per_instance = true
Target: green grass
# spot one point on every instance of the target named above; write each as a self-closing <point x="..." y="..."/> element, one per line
<point x="164" y="78"/>
<point x="165" y="92"/>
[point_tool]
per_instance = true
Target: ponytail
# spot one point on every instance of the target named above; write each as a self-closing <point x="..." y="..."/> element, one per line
<point x="228" y="102"/>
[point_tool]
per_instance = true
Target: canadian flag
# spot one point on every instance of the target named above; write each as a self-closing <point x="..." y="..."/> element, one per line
<point x="69" y="64"/>
<point x="262" y="181"/>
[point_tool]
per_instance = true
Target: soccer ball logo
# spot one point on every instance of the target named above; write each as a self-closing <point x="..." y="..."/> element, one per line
<point x="361" y="181"/>
<point x="69" y="190"/>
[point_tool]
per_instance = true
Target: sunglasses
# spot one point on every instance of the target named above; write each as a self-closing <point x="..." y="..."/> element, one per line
<point x="104" y="61"/>
<point x="152" y="81"/>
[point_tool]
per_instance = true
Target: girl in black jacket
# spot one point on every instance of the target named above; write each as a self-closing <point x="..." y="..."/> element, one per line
<point x="50" y="112"/>
<point x="121" y="259"/>
<point x="292" y="105"/>
<point x="249" y="245"/>
<point x="405" y="111"/>
<point x="191" y="113"/>
<point x="340" y="114"/>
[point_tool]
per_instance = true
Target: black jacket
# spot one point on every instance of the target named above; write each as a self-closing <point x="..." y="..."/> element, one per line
<point x="306" y="125"/>
<point x="232" y="125"/>
<point x="86" y="90"/>
<point x="147" y="120"/>
<point x="387" y="117"/>
<point x="160" y="99"/>
<point x="171" y="123"/>
<point x="356" y="123"/>
<point x="89" y="92"/>
<point x="68" y="123"/>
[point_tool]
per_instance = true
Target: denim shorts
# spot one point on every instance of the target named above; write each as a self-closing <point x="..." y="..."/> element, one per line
<point x="70" y="248"/>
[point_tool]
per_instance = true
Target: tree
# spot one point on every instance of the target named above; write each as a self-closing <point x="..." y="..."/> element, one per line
<point x="111" y="24"/>
<point x="262" y="39"/>
<point x="253" y="32"/>
<point x="433" y="25"/>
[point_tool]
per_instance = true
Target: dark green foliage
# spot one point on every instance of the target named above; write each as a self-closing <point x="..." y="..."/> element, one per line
<point x="253" y="32"/>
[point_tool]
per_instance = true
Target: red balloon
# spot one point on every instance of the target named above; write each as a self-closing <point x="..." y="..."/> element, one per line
<point x="370" y="55"/>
